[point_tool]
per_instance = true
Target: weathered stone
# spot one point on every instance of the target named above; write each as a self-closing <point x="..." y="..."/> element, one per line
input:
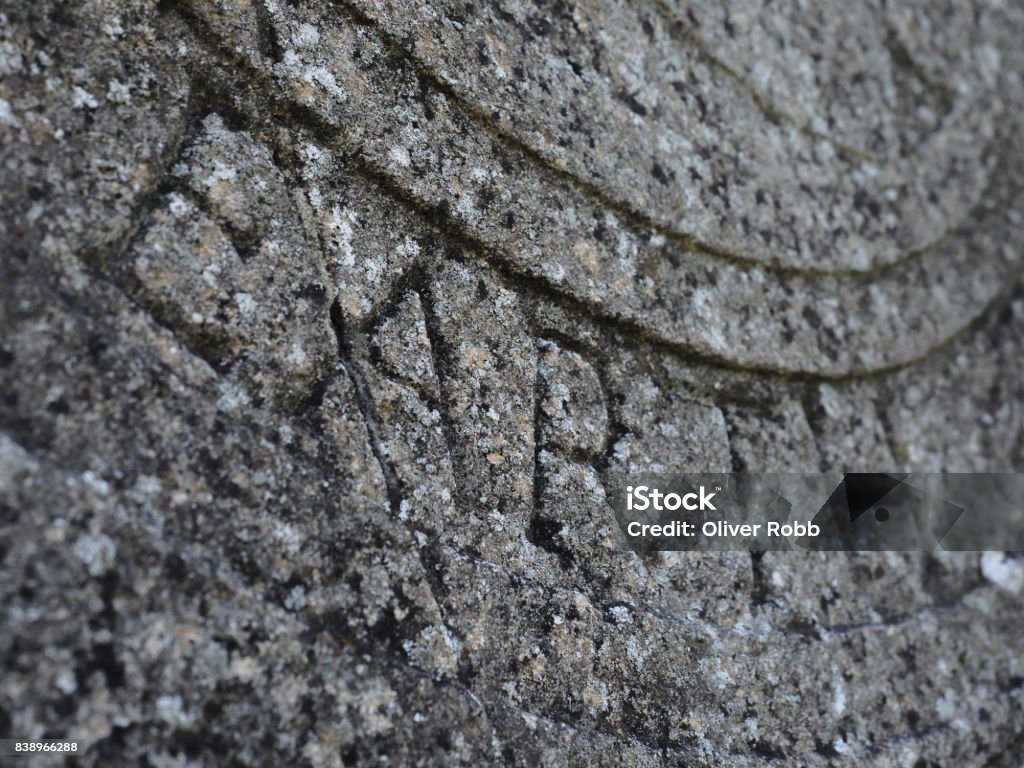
<point x="573" y="415"/>
<point x="403" y="347"/>
<point x="324" y="326"/>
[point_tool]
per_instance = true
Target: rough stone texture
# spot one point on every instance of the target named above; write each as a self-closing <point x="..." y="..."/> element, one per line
<point x="323" y="323"/>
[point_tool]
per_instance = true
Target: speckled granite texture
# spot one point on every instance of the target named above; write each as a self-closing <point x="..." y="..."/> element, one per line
<point x="322" y="323"/>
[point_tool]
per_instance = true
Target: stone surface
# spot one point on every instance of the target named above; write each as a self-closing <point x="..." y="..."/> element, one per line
<point x="324" y="324"/>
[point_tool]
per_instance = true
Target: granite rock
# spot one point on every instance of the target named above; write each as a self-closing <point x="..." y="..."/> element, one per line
<point x="323" y="326"/>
